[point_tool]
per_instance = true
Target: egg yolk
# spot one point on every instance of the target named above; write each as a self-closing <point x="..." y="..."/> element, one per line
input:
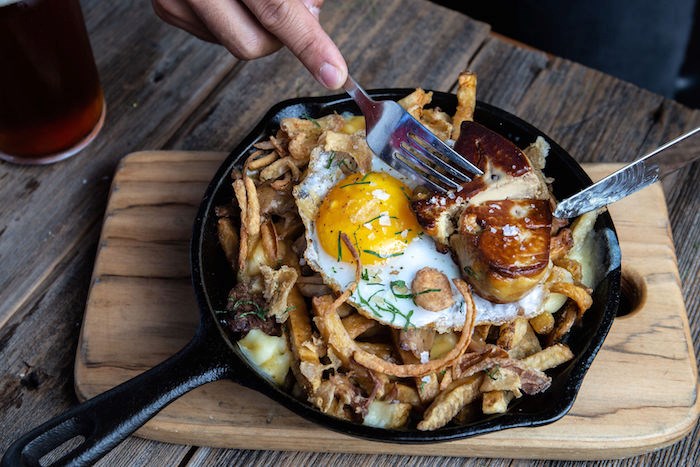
<point x="374" y="211"/>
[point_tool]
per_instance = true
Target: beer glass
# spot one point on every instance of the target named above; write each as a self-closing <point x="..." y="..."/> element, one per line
<point x="51" y="101"/>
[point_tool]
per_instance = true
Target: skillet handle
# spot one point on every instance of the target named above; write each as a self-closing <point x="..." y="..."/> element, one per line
<point x="107" y="419"/>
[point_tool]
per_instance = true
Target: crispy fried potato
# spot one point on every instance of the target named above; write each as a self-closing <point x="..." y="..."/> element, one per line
<point x="466" y="101"/>
<point x="438" y="122"/>
<point x="450" y="401"/>
<point x="307" y="366"/>
<point x="501" y="379"/>
<point x="495" y="402"/>
<point x="528" y="345"/>
<point x="380" y="349"/>
<point x="414" y="102"/>
<point x="550" y="357"/>
<point x="407" y="394"/>
<point x="511" y="333"/>
<point x="356" y="324"/>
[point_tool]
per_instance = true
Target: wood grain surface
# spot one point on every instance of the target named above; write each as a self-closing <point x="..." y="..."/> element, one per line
<point x="640" y="393"/>
<point x="168" y="90"/>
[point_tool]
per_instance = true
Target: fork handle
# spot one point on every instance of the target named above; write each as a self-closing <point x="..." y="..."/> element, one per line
<point x="360" y="96"/>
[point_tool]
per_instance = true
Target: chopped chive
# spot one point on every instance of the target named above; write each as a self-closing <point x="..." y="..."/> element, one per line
<point x="364" y="275"/>
<point x="340" y="250"/>
<point x="311" y="119"/>
<point x="374" y="253"/>
<point x="330" y="160"/>
<point x="427" y="291"/>
<point x="408" y="321"/>
<point x="355" y="183"/>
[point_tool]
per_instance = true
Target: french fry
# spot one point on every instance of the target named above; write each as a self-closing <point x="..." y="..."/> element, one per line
<point x="511" y="333"/>
<point x="268" y="237"/>
<point x="356" y="324"/>
<point x="407" y="394"/>
<point x="380" y="349"/>
<point x="438" y="122"/>
<point x="449" y="402"/>
<point x="550" y="357"/>
<point x="466" y="101"/>
<point x="495" y="402"/>
<point x="501" y="379"/>
<point x="307" y="366"/>
<point x="414" y="102"/>
<point x="528" y="345"/>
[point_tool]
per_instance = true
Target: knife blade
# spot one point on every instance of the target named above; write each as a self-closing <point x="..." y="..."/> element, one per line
<point x="629" y="179"/>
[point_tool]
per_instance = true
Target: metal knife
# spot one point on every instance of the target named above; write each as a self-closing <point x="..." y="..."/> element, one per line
<point x="629" y="179"/>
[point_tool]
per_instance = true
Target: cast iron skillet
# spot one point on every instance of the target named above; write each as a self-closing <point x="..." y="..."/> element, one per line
<point x="102" y="422"/>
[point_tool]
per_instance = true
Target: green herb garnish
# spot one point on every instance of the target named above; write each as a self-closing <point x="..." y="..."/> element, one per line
<point x="330" y="160"/>
<point x="340" y="250"/>
<point x="378" y="255"/>
<point x="403" y="292"/>
<point x="493" y="373"/>
<point x="311" y="119"/>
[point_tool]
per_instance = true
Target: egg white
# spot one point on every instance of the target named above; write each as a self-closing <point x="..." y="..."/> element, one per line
<point x="373" y="296"/>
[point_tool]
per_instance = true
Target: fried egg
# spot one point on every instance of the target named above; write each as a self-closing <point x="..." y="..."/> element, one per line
<point x="372" y="211"/>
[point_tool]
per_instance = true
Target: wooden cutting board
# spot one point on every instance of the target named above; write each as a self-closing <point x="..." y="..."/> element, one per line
<point x="639" y="395"/>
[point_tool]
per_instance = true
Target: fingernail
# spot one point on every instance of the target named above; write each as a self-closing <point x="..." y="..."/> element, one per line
<point x="312" y="7"/>
<point x="330" y="76"/>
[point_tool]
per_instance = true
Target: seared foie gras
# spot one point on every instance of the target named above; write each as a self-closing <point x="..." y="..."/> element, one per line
<point x="479" y="225"/>
<point x="508" y="174"/>
<point x="503" y="247"/>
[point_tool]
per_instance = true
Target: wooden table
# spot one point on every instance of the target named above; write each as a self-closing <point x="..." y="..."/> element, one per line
<point x="168" y="90"/>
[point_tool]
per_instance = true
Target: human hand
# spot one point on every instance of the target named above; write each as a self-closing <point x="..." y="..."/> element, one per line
<point x="254" y="28"/>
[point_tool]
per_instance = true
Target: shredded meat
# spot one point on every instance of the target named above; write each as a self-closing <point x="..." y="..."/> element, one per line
<point x="247" y="311"/>
<point x="532" y="381"/>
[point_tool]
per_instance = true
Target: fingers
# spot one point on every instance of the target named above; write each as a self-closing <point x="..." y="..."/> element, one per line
<point x="235" y="28"/>
<point x="254" y="28"/>
<point x="295" y="25"/>
<point x="180" y="15"/>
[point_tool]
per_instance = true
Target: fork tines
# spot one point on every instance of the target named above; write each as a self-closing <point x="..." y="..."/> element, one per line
<point x="434" y="162"/>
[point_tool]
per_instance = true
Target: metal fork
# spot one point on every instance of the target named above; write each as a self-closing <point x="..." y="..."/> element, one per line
<point x="406" y="145"/>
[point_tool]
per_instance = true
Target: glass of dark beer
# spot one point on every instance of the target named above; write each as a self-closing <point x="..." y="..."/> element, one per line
<point x="51" y="101"/>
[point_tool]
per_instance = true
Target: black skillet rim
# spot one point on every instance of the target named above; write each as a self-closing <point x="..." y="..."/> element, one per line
<point x="495" y="118"/>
